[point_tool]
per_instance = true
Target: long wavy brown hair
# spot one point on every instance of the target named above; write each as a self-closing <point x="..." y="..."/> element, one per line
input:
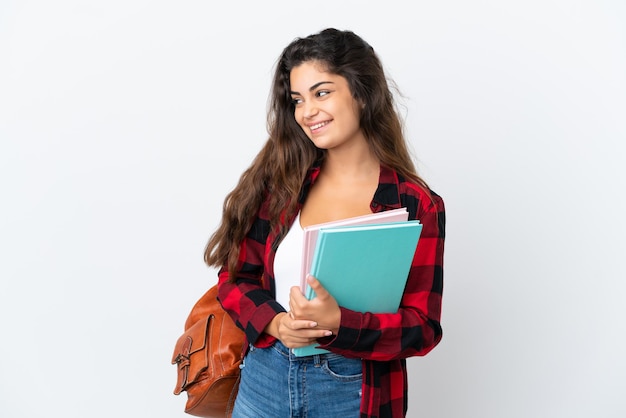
<point x="278" y="171"/>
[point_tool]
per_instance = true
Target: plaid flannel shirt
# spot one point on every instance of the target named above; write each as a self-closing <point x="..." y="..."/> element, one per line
<point x="382" y="341"/>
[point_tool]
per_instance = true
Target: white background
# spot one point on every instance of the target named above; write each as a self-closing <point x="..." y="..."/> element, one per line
<point x="123" y="124"/>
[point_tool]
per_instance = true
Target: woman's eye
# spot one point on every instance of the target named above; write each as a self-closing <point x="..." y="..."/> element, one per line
<point x="296" y="101"/>
<point x="322" y="93"/>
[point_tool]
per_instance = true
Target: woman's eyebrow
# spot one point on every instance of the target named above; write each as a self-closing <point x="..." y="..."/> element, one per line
<point x="313" y="87"/>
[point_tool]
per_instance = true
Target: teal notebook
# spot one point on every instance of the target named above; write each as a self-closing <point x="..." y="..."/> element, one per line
<point x="364" y="267"/>
<point x="310" y="234"/>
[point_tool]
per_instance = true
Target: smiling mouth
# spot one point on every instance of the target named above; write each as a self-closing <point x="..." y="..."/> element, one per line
<point x="318" y="125"/>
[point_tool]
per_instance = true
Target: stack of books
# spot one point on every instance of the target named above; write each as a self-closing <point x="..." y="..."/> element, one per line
<point x="363" y="262"/>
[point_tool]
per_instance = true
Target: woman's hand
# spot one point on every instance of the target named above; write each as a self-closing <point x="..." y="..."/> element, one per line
<point x="323" y="309"/>
<point x="293" y="332"/>
<point x="308" y="320"/>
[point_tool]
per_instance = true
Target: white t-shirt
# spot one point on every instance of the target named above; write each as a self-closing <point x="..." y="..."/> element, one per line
<point x="287" y="263"/>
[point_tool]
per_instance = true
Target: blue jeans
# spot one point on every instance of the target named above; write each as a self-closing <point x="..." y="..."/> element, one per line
<point x="277" y="384"/>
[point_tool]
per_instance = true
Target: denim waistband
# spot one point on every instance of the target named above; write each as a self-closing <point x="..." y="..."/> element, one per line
<point x="315" y="358"/>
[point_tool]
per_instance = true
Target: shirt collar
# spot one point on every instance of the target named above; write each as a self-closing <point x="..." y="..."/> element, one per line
<point x="387" y="194"/>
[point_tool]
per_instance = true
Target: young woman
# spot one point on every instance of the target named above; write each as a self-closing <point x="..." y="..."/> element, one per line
<point x="335" y="150"/>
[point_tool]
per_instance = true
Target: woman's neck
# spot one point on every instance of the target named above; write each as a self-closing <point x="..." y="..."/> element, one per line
<point x="355" y="165"/>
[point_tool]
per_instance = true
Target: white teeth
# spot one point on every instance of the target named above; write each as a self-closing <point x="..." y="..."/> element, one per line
<point x="317" y="126"/>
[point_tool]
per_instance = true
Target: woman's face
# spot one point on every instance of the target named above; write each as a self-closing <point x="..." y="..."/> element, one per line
<point x="324" y="107"/>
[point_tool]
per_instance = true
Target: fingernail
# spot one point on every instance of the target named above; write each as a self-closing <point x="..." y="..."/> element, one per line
<point x="313" y="324"/>
<point x="328" y="333"/>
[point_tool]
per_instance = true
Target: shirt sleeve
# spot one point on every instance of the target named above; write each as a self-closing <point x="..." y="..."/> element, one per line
<point x="415" y="329"/>
<point x="247" y="298"/>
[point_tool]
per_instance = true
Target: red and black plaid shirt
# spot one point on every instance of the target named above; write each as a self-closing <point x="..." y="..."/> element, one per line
<point x="383" y="341"/>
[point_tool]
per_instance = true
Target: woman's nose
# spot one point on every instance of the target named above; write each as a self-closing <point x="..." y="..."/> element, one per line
<point x="310" y="109"/>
